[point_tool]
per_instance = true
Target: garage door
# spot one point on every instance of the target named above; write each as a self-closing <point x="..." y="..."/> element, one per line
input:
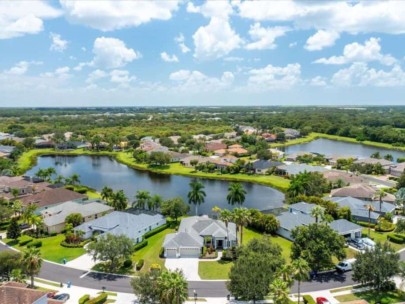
<point x="171" y="253"/>
<point x="189" y="252"/>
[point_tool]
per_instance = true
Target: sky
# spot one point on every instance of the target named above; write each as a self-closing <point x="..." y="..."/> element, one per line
<point x="183" y="53"/>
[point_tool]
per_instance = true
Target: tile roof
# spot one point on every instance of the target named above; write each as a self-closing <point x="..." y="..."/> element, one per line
<point x="358" y="191"/>
<point x="265" y="164"/>
<point x="17" y="293"/>
<point x="357" y="207"/>
<point x="51" y="197"/>
<point x="302" y="207"/>
<point x="373" y="161"/>
<point x="343" y="226"/>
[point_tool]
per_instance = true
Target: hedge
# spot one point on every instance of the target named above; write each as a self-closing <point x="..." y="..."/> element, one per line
<point x="67" y="245"/>
<point x="140" y="245"/>
<point x="102" y="298"/>
<point x="396" y="238"/>
<point x="155" y="231"/>
<point x="385" y="228"/>
<point x="308" y="299"/>
<point x="365" y="224"/>
<point x="25" y="242"/>
<point x="128" y="263"/>
<point x="139" y="265"/>
<point x="36" y="244"/>
<point x="84" y="299"/>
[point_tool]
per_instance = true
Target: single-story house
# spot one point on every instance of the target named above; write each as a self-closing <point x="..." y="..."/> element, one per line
<point x="301" y="208"/>
<point x="298" y="168"/>
<point x="347" y="178"/>
<point x="176" y="157"/>
<point x="262" y="166"/>
<point x="51" y="197"/>
<point x="247" y="129"/>
<point x="357" y="207"/>
<point x="229" y="158"/>
<point x="386" y="164"/>
<point x="229" y="135"/>
<point x="7" y="149"/>
<point x="220" y="152"/>
<point x="198" y="231"/>
<point x="187" y="160"/>
<point x="290" y="220"/>
<point x="332" y="159"/>
<point x="397" y="169"/>
<point x="347" y="229"/>
<point x="237" y="151"/>
<point x="213" y="146"/>
<point x="291" y="133"/>
<point x="269" y="137"/>
<point x="293" y="156"/>
<point x="19" y="293"/>
<point x="54" y="217"/>
<point x="235" y="146"/>
<point x="382" y="207"/>
<point x="132" y="223"/>
<point x="360" y="191"/>
<point x="276" y="153"/>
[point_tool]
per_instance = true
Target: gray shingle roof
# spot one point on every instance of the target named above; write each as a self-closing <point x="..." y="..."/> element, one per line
<point x="357" y="207"/>
<point x="265" y="164"/>
<point x="289" y="220"/>
<point x="302" y="207"/>
<point x="298" y="168"/>
<point x="343" y="226"/>
<point x="182" y="239"/>
<point x="385" y="207"/>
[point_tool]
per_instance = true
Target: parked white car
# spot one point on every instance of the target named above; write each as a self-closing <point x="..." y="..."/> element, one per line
<point x="368" y="243"/>
<point x="345" y="265"/>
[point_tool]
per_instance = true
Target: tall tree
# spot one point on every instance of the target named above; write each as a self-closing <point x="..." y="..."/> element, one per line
<point x="255" y="269"/>
<point x="107" y="193"/>
<point x="279" y="290"/>
<point x="155" y="202"/>
<point x="242" y="218"/>
<point x="142" y="199"/>
<point x="32" y="262"/>
<point x="9" y="260"/>
<point x="226" y="216"/>
<point x="236" y="194"/>
<point x="13" y="230"/>
<point x="318" y="213"/>
<point x="75" y="179"/>
<point x="174" y="208"/>
<point x="145" y="286"/>
<point x="370" y="209"/>
<point x="74" y="218"/>
<point x="119" y="201"/>
<point x="309" y="184"/>
<point x="196" y="195"/>
<point x="300" y="271"/>
<point x="172" y="287"/>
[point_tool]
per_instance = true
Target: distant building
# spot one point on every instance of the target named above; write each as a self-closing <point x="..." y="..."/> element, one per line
<point x="348" y="179"/>
<point x="386" y="164"/>
<point x="51" y="197"/>
<point x="213" y="146"/>
<point x="262" y="166"/>
<point x="294" y="169"/>
<point x="269" y="137"/>
<point x="276" y="153"/>
<point x="291" y="133"/>
<point x="293" y="156"/>
<point x="397" y="169"/>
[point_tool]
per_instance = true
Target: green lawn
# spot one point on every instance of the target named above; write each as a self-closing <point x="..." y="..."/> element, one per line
<point x="374" y="296"/>
<point x="382" y="237"/>
<point x="150" y="253"/>
<point x="51" y="249"/>
<point x="217" y="270"/>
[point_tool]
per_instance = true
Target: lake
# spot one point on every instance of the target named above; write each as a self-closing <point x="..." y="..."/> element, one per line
<point x="97" y="172"/>
<point x="333" y="147"/>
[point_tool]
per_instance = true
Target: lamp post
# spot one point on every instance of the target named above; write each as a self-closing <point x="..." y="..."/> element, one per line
<point x="195" y="296"/>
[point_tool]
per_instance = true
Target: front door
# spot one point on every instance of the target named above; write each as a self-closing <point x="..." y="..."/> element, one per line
<point x="220" y="244"/>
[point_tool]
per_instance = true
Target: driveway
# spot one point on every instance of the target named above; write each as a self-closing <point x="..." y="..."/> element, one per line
<point x="189" y="266"/>
<point x="83" y="262"/>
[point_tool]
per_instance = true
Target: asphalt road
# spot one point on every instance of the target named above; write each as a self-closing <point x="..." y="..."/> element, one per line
<point x="117" y="283"/>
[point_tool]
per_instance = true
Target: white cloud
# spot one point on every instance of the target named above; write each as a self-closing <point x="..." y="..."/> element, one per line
<point x="215" y="40"/>
<point x="210" y="9"/>
<point x="121" y="77"/>
<point x="21" y="67"/>
<point x="195" y="81"/>
<point x="272" y="77"/>
<point x="369" y="51"/>
<point x="58" y="44"/>
<point x="292" y="44"/>
<point x="264" y="38"/>
<point x="233" y="59"/>
<point x="180" y="40"/>
<point x="109" y="15"/>
<point x="359" y="74"/>
<point x="112" y="53"/>
<point x="18" y="18"/>
<point x="318" y="81"/>
<point x="96" y="75"/>
<point x="321" y="39"/>
<point x="61" y="73"/>
<point x="168" y="58"/>
<point x="339" y="16"/>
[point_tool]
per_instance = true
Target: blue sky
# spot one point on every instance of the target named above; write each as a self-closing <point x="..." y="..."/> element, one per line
<point x="130" y="53"/>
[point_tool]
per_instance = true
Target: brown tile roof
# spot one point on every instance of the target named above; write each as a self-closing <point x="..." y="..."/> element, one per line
<point x="237" y="151"/>
<point x="347" y="178"/>
<point x="214" y="146"/>
<point x="361" y="191"/>
<point x="51" y="197"/>
<point x="17" y="293"/>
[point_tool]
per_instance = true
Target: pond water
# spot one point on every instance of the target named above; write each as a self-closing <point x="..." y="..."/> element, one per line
<point x="97" y="172"/>
<point x="333" y="147"/>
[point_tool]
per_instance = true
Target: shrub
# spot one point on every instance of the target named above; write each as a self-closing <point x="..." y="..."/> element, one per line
<point x="139" y="265"/>
<point x="53" y="234"/>
<point x="70" y="187"/>
<point x="35" y="244"/>
<point x="140" y="245"/>
<point x="365" y="224"/>
<point x="155" y="267"/>
<point x="81" y="190"/>
<point x="127" y="263"/>
<point x="102" y="298"/>
<point x="155" y="231"/>
<point x="396" y="238"/>
<point x="25" y="242"/>
<point x="84" y="299"/>
<point x="72" y="245"/>
<point x="308" y="299"/>
<point x="162" y="253"/>
<point x="384" y="226"/>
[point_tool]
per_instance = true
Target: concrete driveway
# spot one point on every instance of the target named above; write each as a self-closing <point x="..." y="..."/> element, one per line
<point x="189" y="266"/>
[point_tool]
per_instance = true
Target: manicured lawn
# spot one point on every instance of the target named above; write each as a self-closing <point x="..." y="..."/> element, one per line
<point x="373" y="297"/>
<point x="51" y="249"/>
<point x="150" y="253"/>
<point x="217" y="270"/>
<point x="382" y="237"/>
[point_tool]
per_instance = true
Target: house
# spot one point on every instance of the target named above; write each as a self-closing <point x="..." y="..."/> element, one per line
<point x="301" y="208"/>
<point x="237" y="151"/>
<point x="213" y="146"/>
<point x="175" y="139"/>
<point x="43" y="144"/>
<point x="291" y="133"/>
<point x="262" y="166"/>
<point x="176" y="157"/>
<point x="332" y="159"/>
<point x="382" y="207"/>
<point x="276" y="153"/>
<point x="269" y="137"/>
<point x="19" y="293"/>
<point x="230" y="135"/>
<point x="152" y="146"/>
<point x="346" y="229"/>
<point x="132" y="223"/>
<point x="198" y="231"/>
<point x="386" y="164"/>
<point x="54" y="217"/>
<point x="357" y="207"/>
<point x="51" y="197"/>
<point x="229" y="158"/>
<point x="220" y="152"/>
<point x="346" y="178"/>
<point x="397" y="169"/>
<point x="293" y="156"/>
<point x="247" y="130"/>
<point x="291" y="220"/>
<point x="298" y="168"/>
<point x="24" y="185"/>
<point x="360" y="191"/>
<point x="6" y="150"/>
<point x="187" y="160"/>
<point x="235" y="146"/>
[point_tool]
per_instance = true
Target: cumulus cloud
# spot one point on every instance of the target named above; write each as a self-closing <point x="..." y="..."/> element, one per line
<point x="121" y="77"/>
<point x="109" y="15"/>
<point x="180" y="40"/>
<point x="61" y="73"/>
<point x="21" y="67"/>
<point x="168" y="58"/>
<point x="321" y="39"/>
<point x="96" y="75"/>
<point x="264" y="38"/>
<point x="18" y="18"/>
<point x="369" y="51"/>
<point x="58" y="44"/>
<point x="195" y="81"/>
<point x="273" y="77"/>
<point x="112" y="53"/>
<point x="318" y="81"/>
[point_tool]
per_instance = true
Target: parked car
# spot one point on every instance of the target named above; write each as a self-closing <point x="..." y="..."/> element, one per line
<point x="25" y="226"/>
<point x="357" y="243"/>
<point x="62" y="297"/>
<point x="322" y="300"/>
<point x="345" y="265"/>
<point x="368" y="243"/>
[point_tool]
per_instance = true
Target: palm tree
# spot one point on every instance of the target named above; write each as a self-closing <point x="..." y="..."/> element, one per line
<point x="59" y="179"/>
<point x="32" y="262"/>
<point x="29" y="215"/>
<point x="17" y="205"/>
<point x="155" y="202"/>
<point x="107" y="193"/>
<point x="173" y="287"/>
<point x="279" y="289"/>
<point x="236" y="194"/>
<point x="300" y="271"/>
<point x="370" y="208"/>
<point x="381" y="194"/>
<point x="400" y="199"/>
<point x="226" y="216"/>
<point x="119" y="200"/>
<point x="38" y="222"/>
<point x="285" y="274"/>
<point x="318" y="213"/>
<point x="142" y="199"/>
<point x="75" y="179"/>
<point x="196" y="195"/>
<point x="242" y="218"/>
